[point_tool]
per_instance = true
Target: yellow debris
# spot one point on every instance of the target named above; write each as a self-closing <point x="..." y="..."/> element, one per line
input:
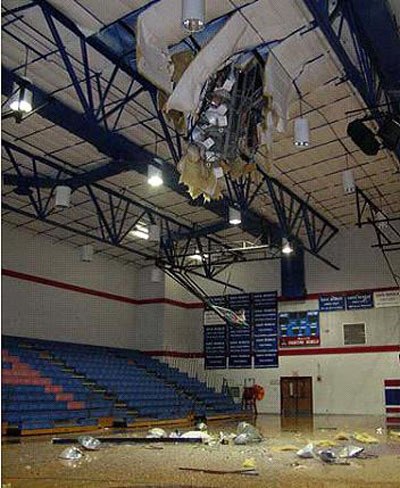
<point x="395" y="434"/>
<point x="249" y="463"/>
<point x="325" y="443"/>
<point x="365" y="438"/>
<point x="287" y="447"/>
<point x="342" y="436"/>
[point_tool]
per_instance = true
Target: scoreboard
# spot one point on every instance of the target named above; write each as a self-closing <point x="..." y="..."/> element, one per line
<point x="299" y="329"/>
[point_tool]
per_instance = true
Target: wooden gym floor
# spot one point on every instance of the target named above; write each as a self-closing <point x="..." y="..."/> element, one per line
<point x="33" y="462"/>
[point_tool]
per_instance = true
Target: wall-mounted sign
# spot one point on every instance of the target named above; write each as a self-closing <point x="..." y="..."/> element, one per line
<point x="215" y="347"/>
<point x="331" y="303"/>
<point x="299" y="329"/>
<point x="389" y="298"/>
<point x="240" y="345"/>
<point x="359" y="301"/>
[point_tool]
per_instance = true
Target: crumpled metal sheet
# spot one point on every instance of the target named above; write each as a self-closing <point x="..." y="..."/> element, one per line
<point x="88" y="442"/>
<point x="71" y="454"/>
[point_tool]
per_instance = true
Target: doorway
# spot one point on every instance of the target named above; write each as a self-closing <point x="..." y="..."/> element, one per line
<point x="296" y="396"/>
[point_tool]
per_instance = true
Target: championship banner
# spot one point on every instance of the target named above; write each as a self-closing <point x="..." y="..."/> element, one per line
<point x="359" y="301"/>
<point x="389" y="298"/>
<point x="331" y="303"/>
<point x="215" y="347"/>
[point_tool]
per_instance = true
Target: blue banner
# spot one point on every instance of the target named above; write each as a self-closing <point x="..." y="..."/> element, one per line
<point x="359" y="301"/>
<point x="331" y="303"/>
<point x="240" y="345"/>
<point x="238" y="302"/>
<point x="215" y="347"/>
<point x="268" y="299"/>
<point x="266" y="360"/>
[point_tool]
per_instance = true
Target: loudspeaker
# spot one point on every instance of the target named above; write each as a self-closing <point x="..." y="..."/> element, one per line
<point x="363" y="137"/>
<point x="293" y="274"/>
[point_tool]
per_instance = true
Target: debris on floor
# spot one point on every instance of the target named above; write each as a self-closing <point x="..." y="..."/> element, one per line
<point x="246" y="434"/>
<point x="342" y="436"/>
<point x="89" y="443"/>
<point x="251" y="472"/>
<point x="286" y="447"/>
<point x="325" y="443"/>
<point x="327" y="455"/>
<point x="156" y="433"/>
<point x="350" y="451"/>
<point x="201" y="426"/>
<point x="71" y="454"/>
<point x="379" y="430"/>
<point x="249" y="463"/>
<point x="307" y="451"/>
<point x="364" y="438"/>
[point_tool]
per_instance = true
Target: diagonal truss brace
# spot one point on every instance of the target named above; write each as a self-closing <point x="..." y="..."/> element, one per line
<point x="387" y="229"/>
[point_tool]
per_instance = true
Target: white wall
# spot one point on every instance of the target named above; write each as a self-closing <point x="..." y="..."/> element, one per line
<point x="40" y="311"/>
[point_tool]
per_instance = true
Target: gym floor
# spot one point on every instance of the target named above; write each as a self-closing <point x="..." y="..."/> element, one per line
<point x="32" y="462"/>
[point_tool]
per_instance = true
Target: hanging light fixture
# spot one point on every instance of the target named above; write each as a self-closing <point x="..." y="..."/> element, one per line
<point x="198" y="257"/>
<point x="235" y="217"/>
<point x="193" y="15"/>
<point x="86" y="253"/>
<point x="21" y="99"/>
<point x="301" y="130"/>
<point x="154" y="176"/>
<point x="63" y="196"/>
<point x="141" y="231"/>
<point x="349" y="185"/>
<point x="22" y="95"/>
<point x="287" y="248"/>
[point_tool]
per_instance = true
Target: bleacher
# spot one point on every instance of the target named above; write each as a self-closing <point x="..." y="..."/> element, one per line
<point x="48" y="384"/>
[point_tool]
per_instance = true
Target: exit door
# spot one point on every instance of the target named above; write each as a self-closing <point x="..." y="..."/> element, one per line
<point x="296" y="396"/>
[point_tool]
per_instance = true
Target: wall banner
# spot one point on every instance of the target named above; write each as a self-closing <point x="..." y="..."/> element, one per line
<point x="389" y="298"/>
<point x="359" y="301"/>
<point x="331" y="303"/>
<point x="215" y="347"/>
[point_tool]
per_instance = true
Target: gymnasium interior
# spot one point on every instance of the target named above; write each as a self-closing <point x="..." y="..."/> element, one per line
<point x="200" y="243"/>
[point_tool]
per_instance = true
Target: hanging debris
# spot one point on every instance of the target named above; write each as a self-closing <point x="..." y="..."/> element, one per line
<point x="225" y="133"/>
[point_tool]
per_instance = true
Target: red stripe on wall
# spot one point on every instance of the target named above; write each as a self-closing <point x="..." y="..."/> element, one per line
<point x="338" y="350"/>
<point x="175" y="354"/>
<point x="149" y="301"/>
<point x="393" y="420"/>
<point x="293" y="352"/>
<point x="392" y="409"/>
<point x="392" y="383"/>
<point x="97" y="293"/>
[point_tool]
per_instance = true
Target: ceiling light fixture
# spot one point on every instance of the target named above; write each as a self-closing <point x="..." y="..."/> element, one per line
<point x="154" y="176"/>
<point x="287" y="248"/>
<point x="301" y="132"/>
<point x="21" y="99"/>
<point x="198" y="257"/>
<point x="235" y="217"/>
<point x="63" y="196"/>
<point x="349" y="185"/>
<point x="193" y="15"/>
<point x="141" y="231"/>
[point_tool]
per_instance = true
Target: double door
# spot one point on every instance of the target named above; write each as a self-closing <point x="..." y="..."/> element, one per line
<point x="296" y="396"/>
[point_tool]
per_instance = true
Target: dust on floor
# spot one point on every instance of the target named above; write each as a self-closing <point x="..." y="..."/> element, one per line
<point x="34" y="463"/>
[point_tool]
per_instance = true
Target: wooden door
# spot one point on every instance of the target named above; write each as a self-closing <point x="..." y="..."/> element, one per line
<point x="296" y="396"/>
